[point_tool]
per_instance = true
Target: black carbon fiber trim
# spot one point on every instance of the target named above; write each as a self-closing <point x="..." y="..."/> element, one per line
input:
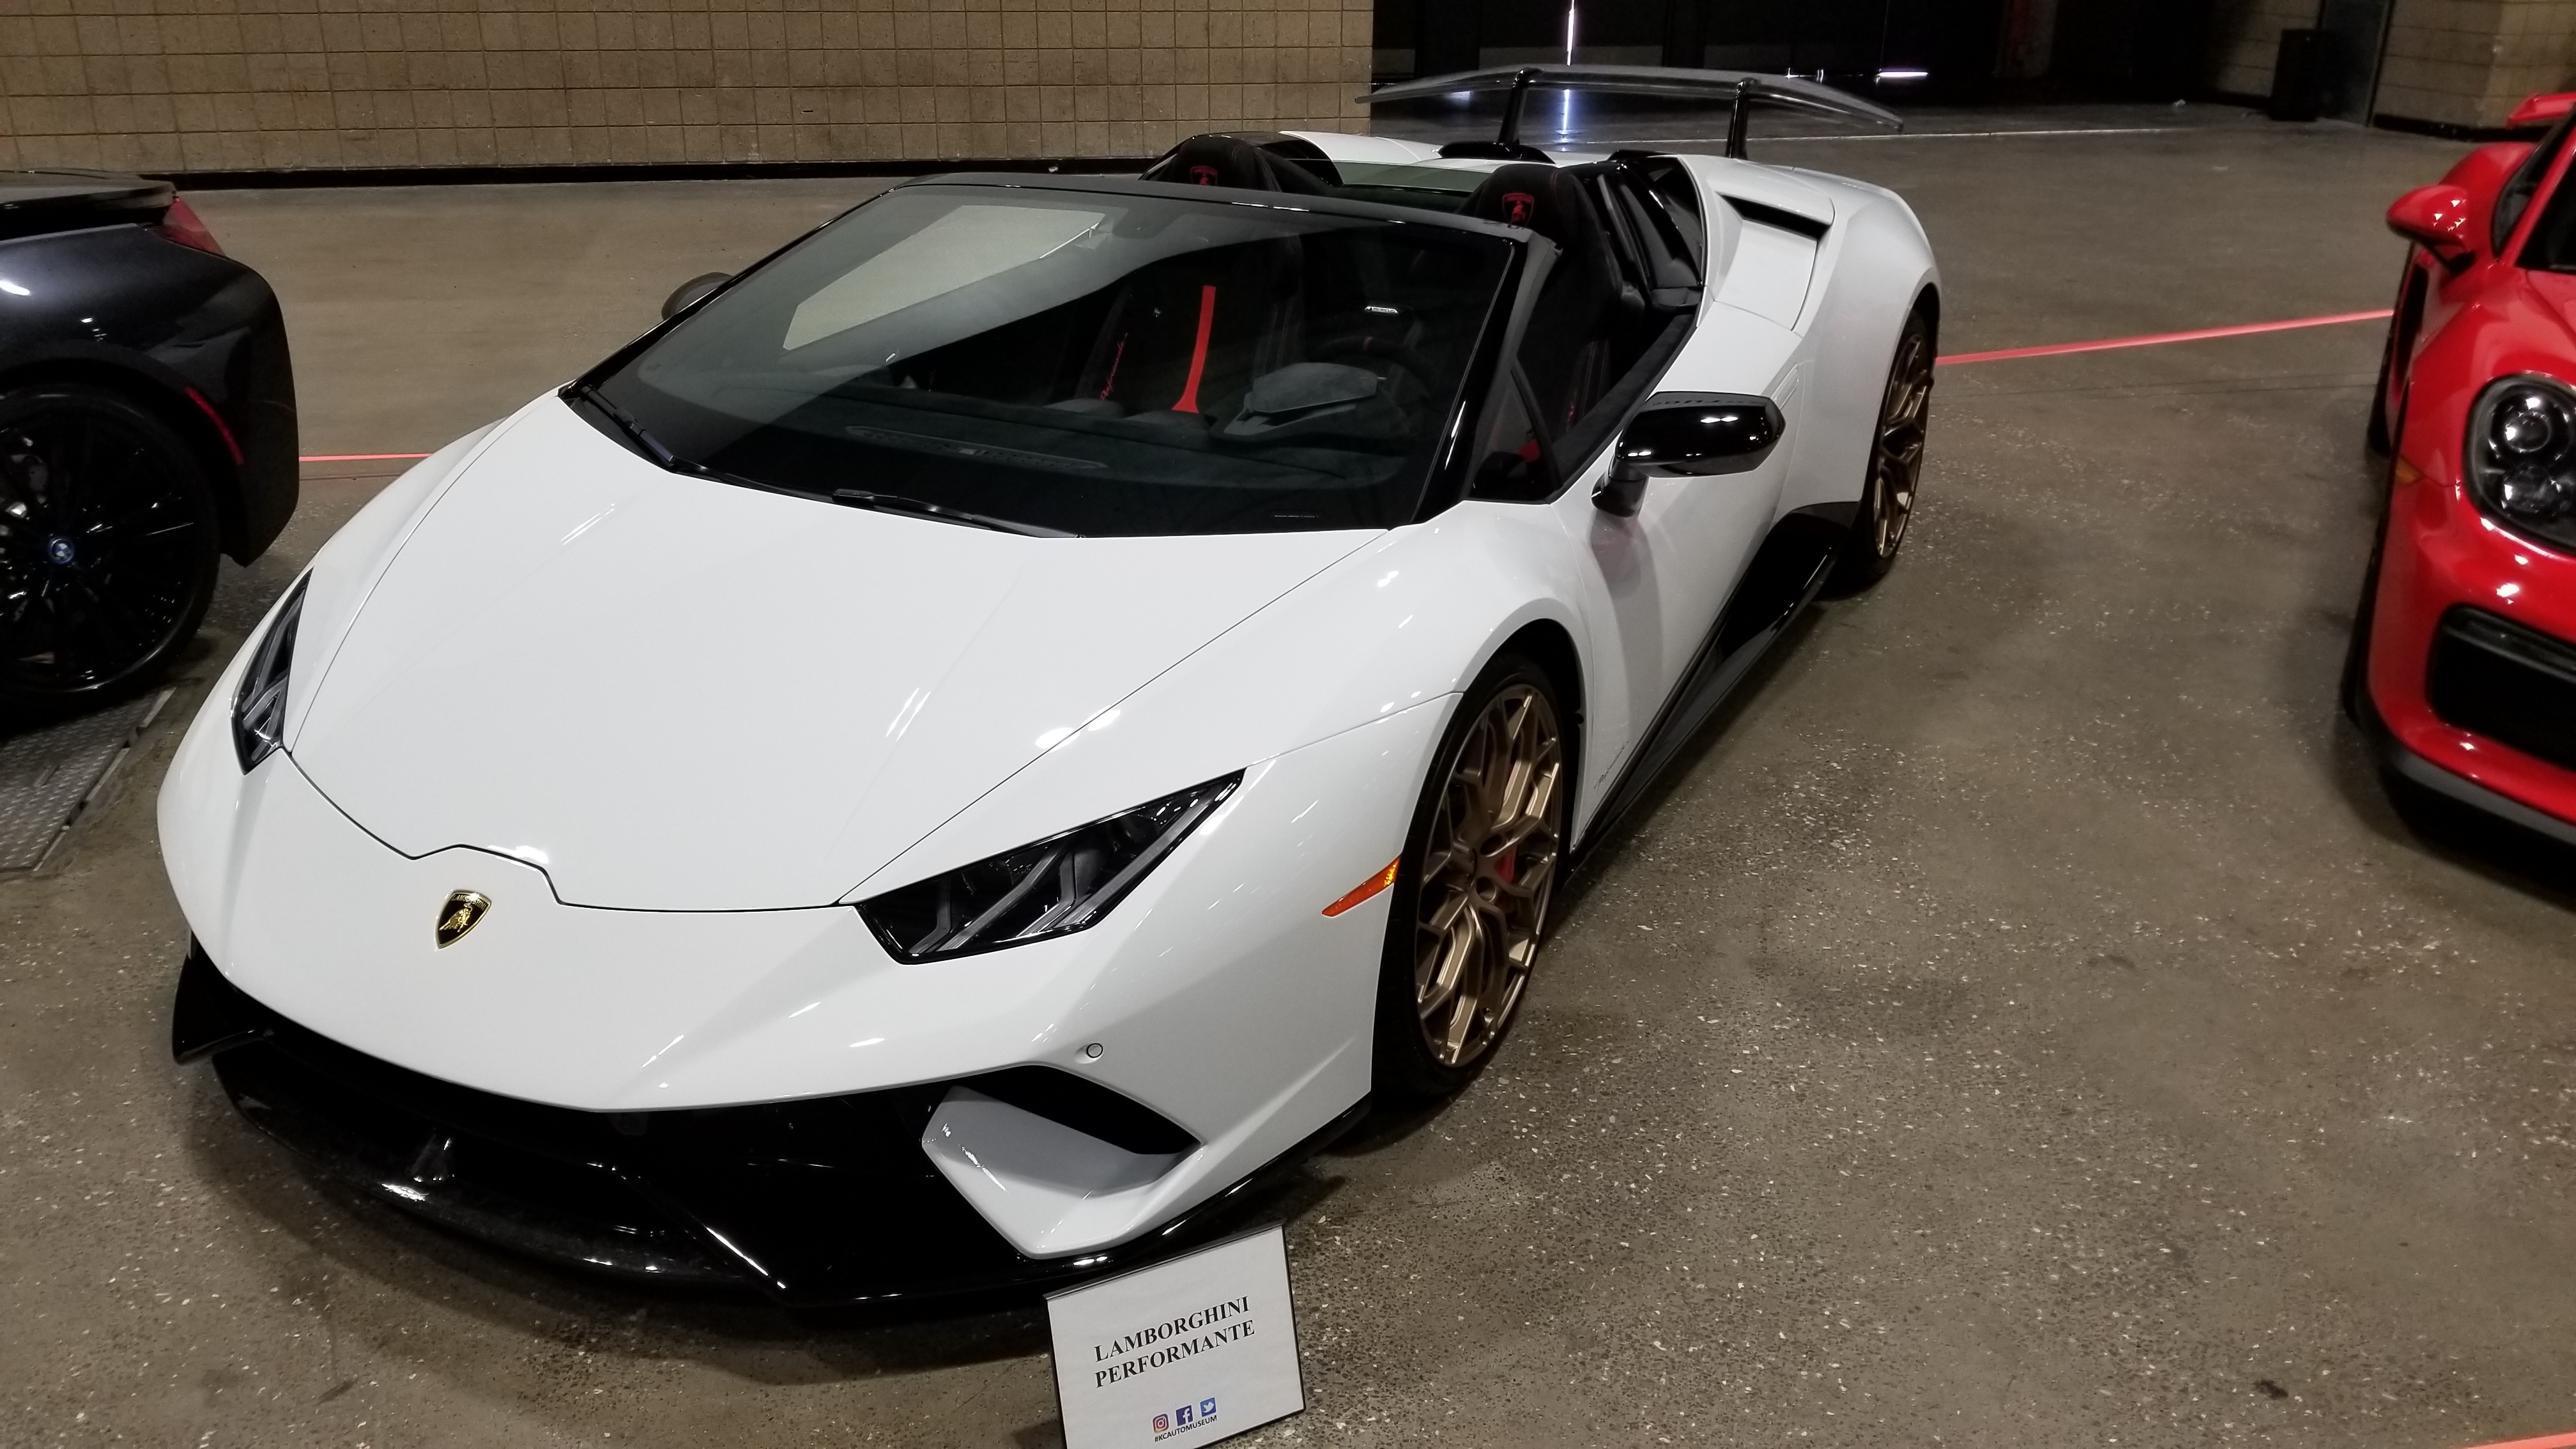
<point x="825" y="1201"/>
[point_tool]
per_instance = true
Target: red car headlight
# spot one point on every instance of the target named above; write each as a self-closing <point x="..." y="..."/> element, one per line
<point x="2521" y="453"/>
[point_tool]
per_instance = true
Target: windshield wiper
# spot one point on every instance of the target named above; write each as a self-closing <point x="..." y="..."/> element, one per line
<point x="633" y="430"/>
<point x="654" y="448"/>
<point x="897" y="503"/>
<point x="658" y="453"/>
<point x="852" y="497"/>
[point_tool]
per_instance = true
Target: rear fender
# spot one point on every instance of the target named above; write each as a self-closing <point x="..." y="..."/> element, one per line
<point x="163" y="393"/>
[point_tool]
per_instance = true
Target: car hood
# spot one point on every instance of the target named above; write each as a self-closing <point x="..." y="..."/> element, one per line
<point x="670" y="693"/>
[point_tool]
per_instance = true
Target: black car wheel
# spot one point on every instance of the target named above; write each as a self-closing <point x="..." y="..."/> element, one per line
<point x="108" y="543"/>
<point x="2376" y="433"/>
<point x="2353" y="690"/>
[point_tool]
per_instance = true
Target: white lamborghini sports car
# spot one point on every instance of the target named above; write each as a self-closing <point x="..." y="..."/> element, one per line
<point x="977" y="737"/>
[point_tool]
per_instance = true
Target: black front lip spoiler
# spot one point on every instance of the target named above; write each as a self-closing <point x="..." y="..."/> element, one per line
<point x="823" y="1202"/>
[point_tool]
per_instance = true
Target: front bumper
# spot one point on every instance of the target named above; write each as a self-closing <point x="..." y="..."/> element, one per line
<point x="2406" y="764"/>
<point x="824" y="1201"/>
<point x="2453" y="693"/>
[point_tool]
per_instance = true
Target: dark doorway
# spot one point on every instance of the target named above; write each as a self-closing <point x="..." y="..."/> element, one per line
<point x="2153" y="50"/>
<point x="2351" y="35"/>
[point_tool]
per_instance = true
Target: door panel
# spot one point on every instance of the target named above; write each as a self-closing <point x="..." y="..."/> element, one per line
<point x="1652" y="586"/>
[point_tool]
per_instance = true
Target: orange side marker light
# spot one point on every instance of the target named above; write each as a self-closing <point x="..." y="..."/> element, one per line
<point x="1365" y="889"/>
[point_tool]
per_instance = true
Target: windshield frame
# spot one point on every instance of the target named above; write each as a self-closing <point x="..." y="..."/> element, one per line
<point x="1443" y="483"/>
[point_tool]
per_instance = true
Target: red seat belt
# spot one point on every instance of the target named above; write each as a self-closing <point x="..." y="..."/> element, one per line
<point x="1188" y="402"/>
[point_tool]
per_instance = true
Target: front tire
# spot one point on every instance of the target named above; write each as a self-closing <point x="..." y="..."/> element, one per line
<point x="2353" y="690"/>
<point x="108" y="546"/>
<point x="1895" y="462"/>
<point x="1470" y="902"/>
<point x="2376" y="436"/>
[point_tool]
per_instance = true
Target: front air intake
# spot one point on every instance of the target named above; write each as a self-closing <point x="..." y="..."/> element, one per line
<point x="2515" y="685"/>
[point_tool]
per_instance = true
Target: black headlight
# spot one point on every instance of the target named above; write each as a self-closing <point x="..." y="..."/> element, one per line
<point x="1052" y="888"/>
<point x="259" y="706"/>
<point x="2521" y="453"/>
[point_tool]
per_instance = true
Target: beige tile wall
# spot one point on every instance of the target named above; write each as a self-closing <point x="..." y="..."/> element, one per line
<point x="2248" y="39"/>
<point x="200" y="85"/>
<point x="2467" y="62"/>
<point x="2459" y="62"/>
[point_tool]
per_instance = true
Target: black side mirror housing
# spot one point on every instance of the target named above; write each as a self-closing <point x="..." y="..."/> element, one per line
<point x="686" y="295"/>
<point x="1693" y="434"/>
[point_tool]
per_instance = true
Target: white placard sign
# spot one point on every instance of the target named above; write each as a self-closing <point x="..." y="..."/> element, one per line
<point x="1180" y="1354"/>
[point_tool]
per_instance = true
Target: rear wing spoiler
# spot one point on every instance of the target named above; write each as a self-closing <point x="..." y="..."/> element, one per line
<point x="1737" y="89"/>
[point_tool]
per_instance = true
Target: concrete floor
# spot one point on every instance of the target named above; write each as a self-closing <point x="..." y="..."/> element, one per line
<point x="2024" y="1022"/>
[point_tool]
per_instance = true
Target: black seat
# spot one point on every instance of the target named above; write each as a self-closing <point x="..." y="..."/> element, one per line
<point x="1188" y="335"/>
<point x="1586" y="306"/>
<point x="1220" y="160"/>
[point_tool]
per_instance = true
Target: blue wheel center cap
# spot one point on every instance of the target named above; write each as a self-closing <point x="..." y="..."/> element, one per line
<point x="60" y="550"/>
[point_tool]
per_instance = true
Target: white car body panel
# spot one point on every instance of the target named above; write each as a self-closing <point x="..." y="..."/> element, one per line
<point x="632" y="610"/>
<point x="1043" y="1184"/>
<point x="643" y="1010"/>
<point x="1767" y="271"/>
<point x="675" y="729"/>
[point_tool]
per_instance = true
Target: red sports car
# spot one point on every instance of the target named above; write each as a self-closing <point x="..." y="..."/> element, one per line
<point x="2463" y="661"/>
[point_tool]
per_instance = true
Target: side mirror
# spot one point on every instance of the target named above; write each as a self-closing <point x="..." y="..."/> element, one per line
<point x="2540" y="110"/>
<point x="2436" y="218"/>
<point x="1694" y="435"/>
<point x="686" y="295"/>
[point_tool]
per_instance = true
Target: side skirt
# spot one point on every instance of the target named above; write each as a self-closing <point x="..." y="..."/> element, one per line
<point x="1785" y="576"/>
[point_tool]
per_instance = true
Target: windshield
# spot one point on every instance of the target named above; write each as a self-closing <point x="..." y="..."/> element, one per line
<point x="2551" y="246"/>
<point x="1085" y="362"/>
<point x="1433" y="188"/>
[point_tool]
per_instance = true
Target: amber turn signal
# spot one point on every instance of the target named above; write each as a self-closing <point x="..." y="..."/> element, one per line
<point x="1365" y="889"/>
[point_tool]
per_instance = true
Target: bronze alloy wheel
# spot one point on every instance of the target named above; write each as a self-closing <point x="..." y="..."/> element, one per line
<point x="1896" y="459"/>
<point x="1488" y="868"/>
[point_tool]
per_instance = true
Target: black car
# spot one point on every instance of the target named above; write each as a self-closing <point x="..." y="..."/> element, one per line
<point x="147" y="425"/>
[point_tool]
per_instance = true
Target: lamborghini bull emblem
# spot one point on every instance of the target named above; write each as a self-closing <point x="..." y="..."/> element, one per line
<point x="462" y="913"/>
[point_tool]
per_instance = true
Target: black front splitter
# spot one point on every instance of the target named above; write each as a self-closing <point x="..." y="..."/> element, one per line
<point x="824" y="1202"/>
